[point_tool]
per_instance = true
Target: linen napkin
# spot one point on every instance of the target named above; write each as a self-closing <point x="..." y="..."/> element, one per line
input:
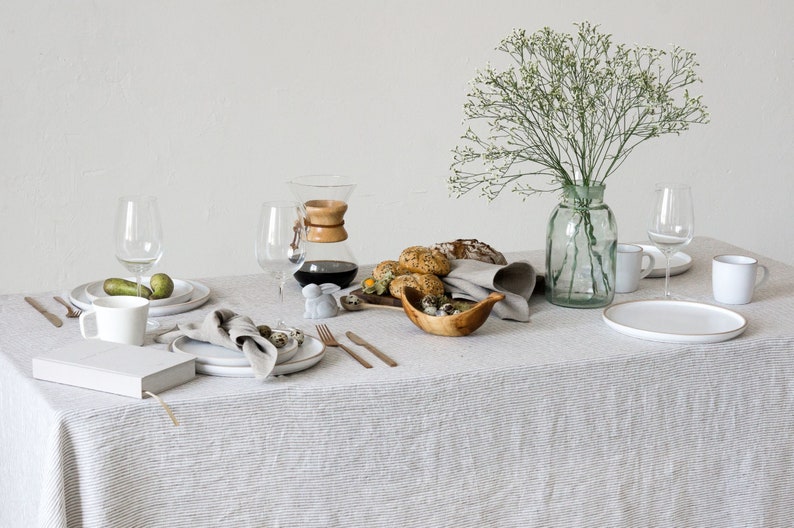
<point x="225" y="328"/>
<point x="475" y="280"/>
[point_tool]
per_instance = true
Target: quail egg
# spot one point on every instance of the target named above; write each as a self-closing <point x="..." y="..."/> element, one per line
<point x="298" y="335"/>
<point x="264" y="331"/>
<point x="279" y="339"/>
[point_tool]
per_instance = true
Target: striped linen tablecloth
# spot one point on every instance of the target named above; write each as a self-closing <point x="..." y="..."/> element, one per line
<point x="560" y="421"/>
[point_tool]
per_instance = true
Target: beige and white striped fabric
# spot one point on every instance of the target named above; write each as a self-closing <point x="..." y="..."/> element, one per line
<point x="560" y="421"/>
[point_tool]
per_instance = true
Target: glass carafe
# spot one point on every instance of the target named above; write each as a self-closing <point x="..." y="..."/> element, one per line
<point x="328" y="255"/>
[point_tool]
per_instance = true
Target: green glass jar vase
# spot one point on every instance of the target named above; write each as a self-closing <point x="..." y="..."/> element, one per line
<point x="581" y="243"/>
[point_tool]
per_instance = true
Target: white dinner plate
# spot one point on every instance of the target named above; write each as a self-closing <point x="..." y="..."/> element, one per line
<point x="210" y="354"/>
<point x="201" y="294"/>
<point x="674" y="321"/>
<point x="309" y="354"/>
<point x="679" y="262"/>
<point x="183" y="290"/>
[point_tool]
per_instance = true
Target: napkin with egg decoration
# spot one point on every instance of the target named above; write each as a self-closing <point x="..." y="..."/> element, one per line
<point x="475" y="280"/>
<point x="225" y="328"/>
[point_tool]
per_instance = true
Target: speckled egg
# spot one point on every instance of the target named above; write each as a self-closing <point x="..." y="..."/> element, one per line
<point x="298" y="335"/>
<point x="279" y="339"/>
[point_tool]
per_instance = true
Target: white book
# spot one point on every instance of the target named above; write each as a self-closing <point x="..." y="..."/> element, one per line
<point x="112" y="367"/>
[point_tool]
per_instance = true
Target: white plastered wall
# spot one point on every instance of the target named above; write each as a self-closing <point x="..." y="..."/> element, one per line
<point x="213" y="105"/>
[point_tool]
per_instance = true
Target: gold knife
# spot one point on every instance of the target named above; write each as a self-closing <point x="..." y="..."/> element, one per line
<point x="50" y="317"/>
<point x="383" y="357"/>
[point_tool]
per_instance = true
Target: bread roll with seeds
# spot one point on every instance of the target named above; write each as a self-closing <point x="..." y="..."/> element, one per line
<point x="420" y="259"/>
<point x="426" y="283"/>
<point x="382" y="270"/>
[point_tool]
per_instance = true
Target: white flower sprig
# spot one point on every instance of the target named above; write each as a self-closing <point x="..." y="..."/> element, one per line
<point x="570" y="107"/>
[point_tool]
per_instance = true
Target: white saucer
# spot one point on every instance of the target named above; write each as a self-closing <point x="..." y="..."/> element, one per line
<point x="308" y="354"/>
<point x="674" y="321"/>
<point x="679" y="262"/>
<point x="183" y="290"/>
<point x="209" y="354"/>
<point x="201" y="294"/>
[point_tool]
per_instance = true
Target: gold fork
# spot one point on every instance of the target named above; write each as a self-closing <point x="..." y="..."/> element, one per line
<point x="71" y="312"/>
<point x="328" y="338"/>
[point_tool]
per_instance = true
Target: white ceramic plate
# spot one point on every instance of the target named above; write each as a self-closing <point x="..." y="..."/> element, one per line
<point x="201" y="294"/>
<point x="675" y="321"/>
<point x="679" y="262"/>
<point x="309" y="354"/>
<point x="209" y="354"/>
<point x="183" y="290"/>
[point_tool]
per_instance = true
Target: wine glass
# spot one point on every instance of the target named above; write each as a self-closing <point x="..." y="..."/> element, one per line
<point x="281" y="244"/>
<point x="139" y="235"/>
<point x="672" y="222"/>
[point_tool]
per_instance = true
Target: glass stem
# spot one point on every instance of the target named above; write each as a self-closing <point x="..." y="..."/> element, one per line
<point x="667" y="294"/>
<point x="138" y="282"/>
<point x="280" y="323"/>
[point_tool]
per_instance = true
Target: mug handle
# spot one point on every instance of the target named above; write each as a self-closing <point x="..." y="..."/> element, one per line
<point x="83" y="317"/>
<point x="764" y="275"/>
<point x="651" y="264"/>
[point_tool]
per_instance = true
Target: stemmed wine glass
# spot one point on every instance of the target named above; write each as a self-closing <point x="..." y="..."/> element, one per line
<point x="281" y="244"/>
<point x="139" y="235"/>
<point x="672" y="222"/>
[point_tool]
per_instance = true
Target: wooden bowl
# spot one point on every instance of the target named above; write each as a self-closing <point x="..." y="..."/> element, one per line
<point x="456" y="325"/>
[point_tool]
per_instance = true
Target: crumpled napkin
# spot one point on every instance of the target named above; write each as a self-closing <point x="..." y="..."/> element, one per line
<point x="225" y="328"/>
<point x="475" y="280"/>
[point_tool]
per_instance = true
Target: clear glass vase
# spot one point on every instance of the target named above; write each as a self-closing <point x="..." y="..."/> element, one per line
<point x="581" y="243"/>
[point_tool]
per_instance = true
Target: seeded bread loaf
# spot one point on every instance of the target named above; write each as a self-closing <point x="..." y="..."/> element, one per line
<point x="470" y="248"/>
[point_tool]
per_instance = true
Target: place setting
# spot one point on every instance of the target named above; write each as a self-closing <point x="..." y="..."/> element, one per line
<point x="669" y="319"/>
<point x="139" y="247"/>
<point x="231" y="345"/>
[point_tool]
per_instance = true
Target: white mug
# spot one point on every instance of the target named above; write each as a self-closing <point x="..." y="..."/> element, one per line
<point x="120" y="319"/>
<point x="629" y="268"/>
<point x="735" y="277"/>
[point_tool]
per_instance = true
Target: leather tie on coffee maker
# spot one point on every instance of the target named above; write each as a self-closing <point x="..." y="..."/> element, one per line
<point x="309" y="224"/>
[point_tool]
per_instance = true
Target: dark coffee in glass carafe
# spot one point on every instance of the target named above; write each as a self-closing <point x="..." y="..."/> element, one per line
<point x="328" y="257"/>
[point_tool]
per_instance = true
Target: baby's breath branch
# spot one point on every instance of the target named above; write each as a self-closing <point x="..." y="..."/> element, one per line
<point x="569" y="108"/>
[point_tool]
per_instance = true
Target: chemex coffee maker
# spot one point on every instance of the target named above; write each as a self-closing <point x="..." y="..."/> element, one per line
<point x="328" y="257"/>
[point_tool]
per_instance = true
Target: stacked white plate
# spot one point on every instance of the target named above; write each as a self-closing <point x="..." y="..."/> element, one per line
<point x="215" y="360"/>
<point x="187" y="296"/>
<point x="674" y="321"/>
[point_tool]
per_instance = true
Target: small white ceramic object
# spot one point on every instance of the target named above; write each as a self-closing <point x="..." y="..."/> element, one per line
<point x="734" y="278"/>
<point x="320" y="303"/>
<point x="629" y="267"/>
<point x="119" y="319"/>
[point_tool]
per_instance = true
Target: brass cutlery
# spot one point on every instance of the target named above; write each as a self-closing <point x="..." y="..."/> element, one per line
<point x="71" y="311"/>
<point x="383" y="357"/>
<point x="328" y="338"/>
<point x="54" y="319"/>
